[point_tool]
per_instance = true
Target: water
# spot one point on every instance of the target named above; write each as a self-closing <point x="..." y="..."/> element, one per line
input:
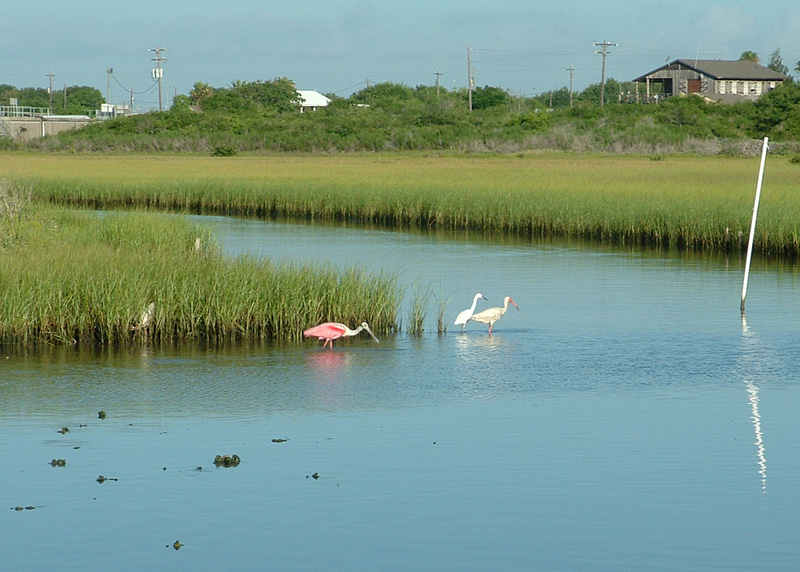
<point x="625" y="419"/>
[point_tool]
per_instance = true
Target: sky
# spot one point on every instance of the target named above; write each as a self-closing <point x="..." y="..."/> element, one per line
<point x="340" y="46"/>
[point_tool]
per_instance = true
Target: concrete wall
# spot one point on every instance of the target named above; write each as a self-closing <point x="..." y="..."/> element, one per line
<point x="29" y="128"/>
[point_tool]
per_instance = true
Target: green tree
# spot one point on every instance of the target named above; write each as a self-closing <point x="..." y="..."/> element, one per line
<point x="385" y="95"/>
<point x="776" y="62"/>
<point x="279" y="95"/>
<point x="80" y="100"/>
<point x="778" y="111"/>
<point x="34" y="97"/>
<point x="748" y="56"/>
<point x="200" y="92"/>
<point x="488" y="96"/>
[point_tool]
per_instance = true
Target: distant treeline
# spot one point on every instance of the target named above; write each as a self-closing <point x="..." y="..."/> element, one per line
<point x="75" y="100"/>
<point x="263" y="116"/>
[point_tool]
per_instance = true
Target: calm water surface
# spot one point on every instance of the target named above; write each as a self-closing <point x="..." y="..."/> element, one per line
<point x="626" y="419"/>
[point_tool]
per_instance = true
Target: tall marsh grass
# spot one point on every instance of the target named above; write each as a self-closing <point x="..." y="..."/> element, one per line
<point x="78" y="277"/>
<point x="678" y="202"/>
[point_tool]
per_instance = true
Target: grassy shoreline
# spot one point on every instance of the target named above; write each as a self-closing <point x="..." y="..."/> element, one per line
<point x="698" y="203"/>
<point x="70" y="277"/>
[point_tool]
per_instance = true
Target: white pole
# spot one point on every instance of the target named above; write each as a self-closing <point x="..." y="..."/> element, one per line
<point x="764" y="150"/>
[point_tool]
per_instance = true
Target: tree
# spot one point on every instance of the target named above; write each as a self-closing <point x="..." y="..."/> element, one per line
<point x="749" y="56"/>
<point x="776" y="62"/>
<point x="488" y="96"/>
<point x="34" y="97"/>
<point x="386" y="95"/>
<point x="80" y="100"/>
<point x="200" y="92"/>
<point x="279" y="94"/>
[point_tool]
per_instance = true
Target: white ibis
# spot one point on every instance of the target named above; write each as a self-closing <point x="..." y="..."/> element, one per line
<point x="491" y="315"/>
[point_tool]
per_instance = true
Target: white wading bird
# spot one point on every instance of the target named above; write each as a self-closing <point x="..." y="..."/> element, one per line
<point x="463" y="317"/>
<point x="491" y="315"/>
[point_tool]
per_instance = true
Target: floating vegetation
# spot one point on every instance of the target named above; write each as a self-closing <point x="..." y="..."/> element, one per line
<point x="227" y="460"/>
<point x="101" y="415"/>
<point x="58" y="463"/>
<point x="63" y="430"/>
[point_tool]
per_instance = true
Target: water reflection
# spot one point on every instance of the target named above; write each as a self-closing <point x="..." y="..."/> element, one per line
<point x="751" y="356"/>
<point x="328" y="364"/>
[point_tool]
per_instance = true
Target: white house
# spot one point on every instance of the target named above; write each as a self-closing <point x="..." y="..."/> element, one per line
<point x="311" y="100"/>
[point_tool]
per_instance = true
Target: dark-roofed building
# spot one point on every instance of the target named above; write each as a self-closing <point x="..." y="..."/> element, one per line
<point x="718" y="80"/>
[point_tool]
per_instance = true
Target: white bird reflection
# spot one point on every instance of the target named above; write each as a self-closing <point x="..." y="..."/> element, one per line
<point x="750" y="345"/>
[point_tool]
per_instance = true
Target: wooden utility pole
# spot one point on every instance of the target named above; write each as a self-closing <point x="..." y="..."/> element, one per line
<point x="109" y="71"/>
<point x="470" y="78"/>
<point x="158" y="73"/>
<point x="604" y="45"/>
<point x="571" y="71"/>
<point x="51" y="75"/>
<point x="438" y="75"/>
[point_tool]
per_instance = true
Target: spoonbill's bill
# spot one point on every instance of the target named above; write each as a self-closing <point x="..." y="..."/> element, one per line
<point x="491" y="315"/>
<point x="330" y="331"/>
<point x="463" y="317"/>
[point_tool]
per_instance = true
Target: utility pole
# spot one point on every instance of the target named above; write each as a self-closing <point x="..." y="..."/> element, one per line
<point x="158" y="73"/>
<point x="51" y="75"/>
<point x="109" y="71"/>
<point x="438" y="74"/>
<point x="571" y="71"/>
<point x="604" y="45"/>
<point x="470" y="77"/>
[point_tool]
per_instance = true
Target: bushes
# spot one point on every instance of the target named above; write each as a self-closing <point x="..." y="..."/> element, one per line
<point x="255" y="117"/>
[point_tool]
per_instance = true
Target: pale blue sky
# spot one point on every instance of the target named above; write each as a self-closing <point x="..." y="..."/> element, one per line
<point x="337" y="45"/>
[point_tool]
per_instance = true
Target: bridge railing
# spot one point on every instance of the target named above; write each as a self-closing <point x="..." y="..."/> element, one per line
<point x="22" y="111"/>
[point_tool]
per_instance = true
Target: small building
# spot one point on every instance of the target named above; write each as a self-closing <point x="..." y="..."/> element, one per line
<point x="311" y="100"/>
<point x="717" y="80"/>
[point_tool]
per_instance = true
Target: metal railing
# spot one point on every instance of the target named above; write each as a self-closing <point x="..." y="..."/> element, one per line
<point x="22" y="111"/>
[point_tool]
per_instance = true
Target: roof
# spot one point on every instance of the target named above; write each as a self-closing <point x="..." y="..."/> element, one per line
<point x="311" y="98"/>
<point x="722" y="69"/>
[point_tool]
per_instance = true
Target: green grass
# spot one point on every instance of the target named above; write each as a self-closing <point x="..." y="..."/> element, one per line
<point x="70" y="277"/>
<point x="678" y="202"/>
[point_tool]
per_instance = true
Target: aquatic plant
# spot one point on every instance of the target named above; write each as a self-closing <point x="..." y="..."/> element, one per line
<point x="79" y="277"/>
<point x="694" y="203"/>
<point x="419" y="309"/>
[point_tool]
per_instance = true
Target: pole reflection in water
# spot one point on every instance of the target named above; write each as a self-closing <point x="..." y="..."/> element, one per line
<point x="751" y="356"/>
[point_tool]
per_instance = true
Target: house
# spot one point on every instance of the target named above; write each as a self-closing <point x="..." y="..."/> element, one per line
<point x="717" y="80"/>
<point x="311" y="100"/>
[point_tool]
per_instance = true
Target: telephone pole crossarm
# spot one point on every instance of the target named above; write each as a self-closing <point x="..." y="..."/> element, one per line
<point x="158" y="73"/>
<point x="604" y="45"/>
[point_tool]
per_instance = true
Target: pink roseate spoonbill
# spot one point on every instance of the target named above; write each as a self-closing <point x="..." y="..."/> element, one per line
<point x="463" y="317"/>
<point x="491" y="315"/>
<point x="330" y="331"/>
